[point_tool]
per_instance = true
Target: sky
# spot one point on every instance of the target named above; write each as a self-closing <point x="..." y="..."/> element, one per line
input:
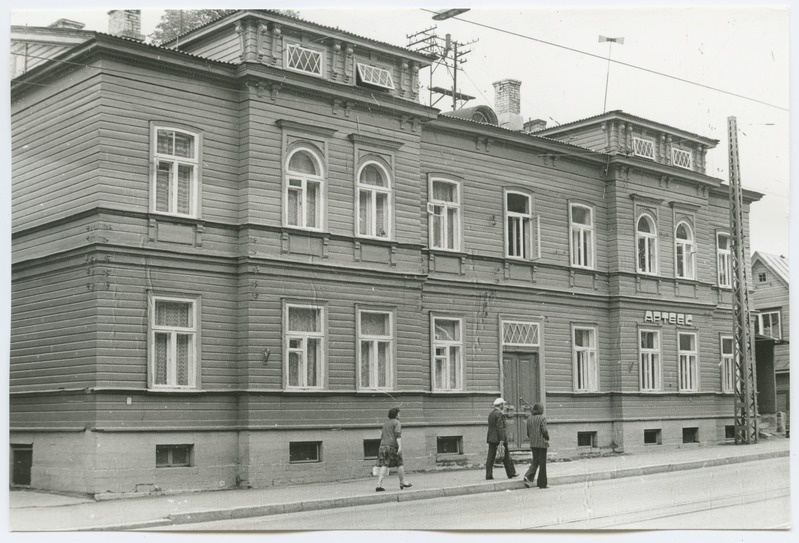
<point x="712" y="62"/>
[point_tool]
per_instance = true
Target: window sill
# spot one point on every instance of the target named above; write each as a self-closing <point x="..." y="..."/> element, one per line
<point x="172" y="390"/>
<point x="192" y="219"/>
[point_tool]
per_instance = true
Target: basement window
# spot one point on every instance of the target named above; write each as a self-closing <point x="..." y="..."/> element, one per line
<point x="586" y="439"/>
<point x="690" y="435"/>
<point x="729" y="431"/>
<point x="303" y="452"/>
<point x="370" y="448"/>
<point x="449" y="445"/>
<point x="652" y="437"/>
<point x="173" y="456"/>
<point x="374" y="76"/>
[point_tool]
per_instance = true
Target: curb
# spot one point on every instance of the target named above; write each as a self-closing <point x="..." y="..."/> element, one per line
<point x="426" y="494"/>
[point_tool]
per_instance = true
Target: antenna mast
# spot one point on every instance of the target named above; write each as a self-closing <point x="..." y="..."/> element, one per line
<point x="448" y="53"/>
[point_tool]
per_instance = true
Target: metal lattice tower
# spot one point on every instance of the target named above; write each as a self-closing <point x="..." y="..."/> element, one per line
<point x="449" y="54"/>
<point x="745" y="377"/>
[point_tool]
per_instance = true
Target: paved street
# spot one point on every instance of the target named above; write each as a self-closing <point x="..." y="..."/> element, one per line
<point x="738" y="497"/>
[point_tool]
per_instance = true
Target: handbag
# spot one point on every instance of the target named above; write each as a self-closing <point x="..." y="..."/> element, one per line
<point x="500" y="456"/>
<point x="375" y="470"/>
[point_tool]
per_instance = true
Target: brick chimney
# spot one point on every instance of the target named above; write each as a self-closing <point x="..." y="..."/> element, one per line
<point x="125" y="23"/>
<point x="506" y="103"/>
<point x="534" y="125"/>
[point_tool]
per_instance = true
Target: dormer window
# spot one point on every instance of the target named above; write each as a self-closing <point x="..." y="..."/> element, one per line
<point x="681" y="158"/>
<point x="644" y="148"/>
<point x="303" y="59"/>
<point x="372" y="75"/>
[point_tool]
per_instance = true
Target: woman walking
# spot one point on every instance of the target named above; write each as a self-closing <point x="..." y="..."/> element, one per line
<point x="389" y="455"/>
<point x="539" y="441"/>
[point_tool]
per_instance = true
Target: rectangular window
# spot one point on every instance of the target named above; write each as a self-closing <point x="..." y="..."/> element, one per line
<point x="370" y="448"/>
<point x="649" y="349"/>
<point x="518" y="225"/>
<point x="375" y="355"/>
<point x="729" y="431"/>
<point x="644" y="148"/>
<point x="173" y="456"/>
<point x="303" y="452"/>
<point x="519" y="334"/>
<point x="303" y="59"/>
<point x="304" y="346"/>
<point x="175" y="182"/>
<point x="687" y="365"/>
<point x="173" y="342"/>
<point x="372" y="75"/>
<point x="447" y="354"/>
<point x="690" y="435"/>
<point x="581" y="220"/>
<point x="652" y="437"/>
<point x="727" y="365"/>
<point x="761" y="277"/>
<point x="584" y="359"/>
<point x="586" y="439"/>
<point x="768" y="324"/>
<point x="444" y="210"/>
<point x="723" y="258"/>
<point x="449" y="445"/>
<point x="681" y="158"/>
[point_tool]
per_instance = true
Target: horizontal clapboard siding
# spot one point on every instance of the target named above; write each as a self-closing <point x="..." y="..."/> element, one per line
<point x="61" y="410"/>
<point x="225" y="47"/>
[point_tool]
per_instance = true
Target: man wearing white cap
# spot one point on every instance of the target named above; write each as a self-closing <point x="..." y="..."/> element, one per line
<point x="496" y="435"/>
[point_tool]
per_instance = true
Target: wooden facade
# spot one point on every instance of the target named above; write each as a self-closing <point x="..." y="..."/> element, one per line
<point x="114" y="399"/>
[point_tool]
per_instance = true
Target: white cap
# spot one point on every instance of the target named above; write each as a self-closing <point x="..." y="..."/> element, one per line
<point x="498" y="401"/>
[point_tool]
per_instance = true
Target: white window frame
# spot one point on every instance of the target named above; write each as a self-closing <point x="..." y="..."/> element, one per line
<point x="650" y="377"/>
<point x="585" y="360"/>
<point x="680" y="156"/>
<point x="685" y="249"/>
<point x="374" y="341"/>
<point x="723" y="261"/>
<point x="321" y="56"/>
<point x="650" y="240"/>
<point x="727" y="365"/>
<point x="453" y="356"/>
<point x="303" y="337"/>
<point x="373" y="191"/>
<point x="176" y="162"/>
<point x="193" y="331"/>
<point x="442" y="209"/>
<point x="535" y="332"/>
<point x="760" y="329"/>
<point x="688" y="364"/>
<point x="641" y="144"/>
<point x="305" y="181"/>
<point x="521" y="249"/>
<point x="582" y="251"/>
<point x="366" y="74"/>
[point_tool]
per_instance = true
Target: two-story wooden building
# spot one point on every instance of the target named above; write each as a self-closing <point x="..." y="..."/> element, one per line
<point x="232" y="257"/>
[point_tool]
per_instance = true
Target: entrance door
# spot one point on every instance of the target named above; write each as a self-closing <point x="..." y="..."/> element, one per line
<point x="22" y="457"/>
<point x="520" y="385"/>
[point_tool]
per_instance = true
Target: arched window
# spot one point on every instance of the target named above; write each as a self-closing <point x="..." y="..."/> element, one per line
<point x="303" y="196"/>
<point x="374" y="201"/>
<point x="647" y="236"/>
<point x="685" y="249"/>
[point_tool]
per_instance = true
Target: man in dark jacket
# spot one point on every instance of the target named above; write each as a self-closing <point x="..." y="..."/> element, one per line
<point x="496" y="435"/>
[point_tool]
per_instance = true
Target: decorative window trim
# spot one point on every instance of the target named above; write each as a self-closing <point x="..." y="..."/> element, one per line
<point x="448" y="345"/>
<point x="723" y="261"/>
<point x="304" y="336"/>
<point x="644" y="148"/>
<point x="320" y="56"/>
<point x="650" y="381"/>
<point x="305" y="180"/>
<point x="375" y="76"/>
<point x="688" y="252"/>
<point x="581" y="230"/>
<point x="506" y="332"/>
<point x="652" y="248"/>
<point x="194" y="162"/>
<point x="390" y="350"/>
<point x="444" y="214"/>
<point x="727" y="364"/>
<point x="374" y="190"/>
<point x="193" y="331"/>
<point x="589" y="368"/>
<point x="682" y="158"/>
<point x="688" y="364"/>
<point x="525" y="227"/>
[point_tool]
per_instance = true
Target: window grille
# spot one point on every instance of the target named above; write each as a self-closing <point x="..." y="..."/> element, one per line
<point x="375" y="76"/>
<point x="304" y="60"/>
<point x="681" y="158"/>
<point x="519" y="334"/>
<point x="644" y="148"/>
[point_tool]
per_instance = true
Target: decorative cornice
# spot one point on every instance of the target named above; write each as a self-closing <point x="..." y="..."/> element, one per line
<point x="392" y="145"/>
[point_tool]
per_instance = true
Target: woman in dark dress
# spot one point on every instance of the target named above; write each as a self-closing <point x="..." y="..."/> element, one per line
<point x="389" y="455"/>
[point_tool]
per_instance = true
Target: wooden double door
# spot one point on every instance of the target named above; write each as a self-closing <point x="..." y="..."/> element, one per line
<point x="521" y="389"/>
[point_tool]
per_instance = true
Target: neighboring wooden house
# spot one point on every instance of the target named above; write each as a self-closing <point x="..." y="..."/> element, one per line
<point x="771" y="298"/>
<point x="230" y="260"/>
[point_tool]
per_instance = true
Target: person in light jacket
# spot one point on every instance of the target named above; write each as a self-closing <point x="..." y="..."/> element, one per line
<point x="498" y="434"/>
<point x="539" y="442"/>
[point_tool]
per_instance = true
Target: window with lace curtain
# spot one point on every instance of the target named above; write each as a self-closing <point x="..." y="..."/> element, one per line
<point x="447" y="354"/>
<point x="376" y="346"/>
<point x="304" y="346"/>
<point x="373" y="205"/>
<point x="303" y="190"/>
<point x="173" y="342"/>
<point x="175" y="177"/>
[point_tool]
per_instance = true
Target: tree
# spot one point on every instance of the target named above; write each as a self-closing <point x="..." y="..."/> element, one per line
<point x="176" y="22"/>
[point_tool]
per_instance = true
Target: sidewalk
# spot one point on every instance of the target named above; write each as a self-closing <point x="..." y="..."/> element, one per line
<point x="40" y="511"/>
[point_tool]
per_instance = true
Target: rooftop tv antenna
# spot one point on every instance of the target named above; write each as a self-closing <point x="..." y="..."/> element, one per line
<point x="448" y="53"/>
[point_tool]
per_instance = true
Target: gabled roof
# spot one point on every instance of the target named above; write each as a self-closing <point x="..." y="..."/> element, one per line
<point x="778" y="264"/>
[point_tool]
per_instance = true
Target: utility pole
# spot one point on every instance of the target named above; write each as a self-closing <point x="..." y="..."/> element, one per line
<point x="745" y="375"/>
<point x="449" y="53"/>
